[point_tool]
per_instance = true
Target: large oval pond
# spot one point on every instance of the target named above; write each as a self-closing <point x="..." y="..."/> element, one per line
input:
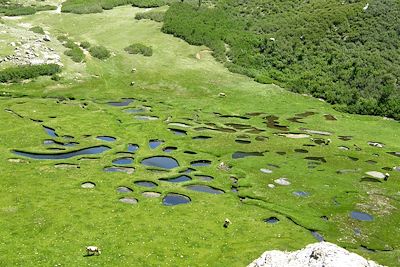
<point x="67" y="155"/>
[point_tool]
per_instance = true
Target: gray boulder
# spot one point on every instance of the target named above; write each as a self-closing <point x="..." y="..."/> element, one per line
<point x="321" y="254"/>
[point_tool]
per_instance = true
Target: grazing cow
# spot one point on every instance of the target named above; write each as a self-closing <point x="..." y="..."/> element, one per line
<point x="227" y="222"/>
<point x="221" y="94"/>
<point x="92" y="250"/>
<point x="387" y="175"/>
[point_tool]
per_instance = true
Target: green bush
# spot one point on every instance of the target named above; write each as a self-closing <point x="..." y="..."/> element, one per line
<point x="331" y="49"/>
<point x="152" y="15"/>
<point x="85" y="45"/>
<point x="76" y="54"/>
<point x="15" y="74"/>
<point x="62" y="38"/>
<point x="70" y="44"/>
<point x="12" y="9"/>
<point x="74" y="51"/>
<point x="99" y="52"/>
<point x="37" y="29"/>
<point x="45" y="8"/>
<point x="18" y="11"/>
<point x="138" y="48"/>
<point x="97" y="6"/>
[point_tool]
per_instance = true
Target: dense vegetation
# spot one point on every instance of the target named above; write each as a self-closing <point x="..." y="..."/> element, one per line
<point x="12" y="9"/>
<point x="37" y="29"/>
<point x="85" y="44"/>
<point x="99" y="52"/>
<point x="331" y="49"/>
<point x="74" y="51"/>
<point x="139" y="49"/>
<point x="14" y="74"/>
<point x="152" y="15"/>
<point x="97" y="6"/>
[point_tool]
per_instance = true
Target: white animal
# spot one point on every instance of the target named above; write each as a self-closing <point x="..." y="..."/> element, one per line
<point x="221" y="94"/>
<point x="92" y="250"/>
<point x="366" y="7"/>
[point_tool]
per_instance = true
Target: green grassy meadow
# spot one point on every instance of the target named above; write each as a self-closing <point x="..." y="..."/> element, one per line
<point x="48" y="219"/>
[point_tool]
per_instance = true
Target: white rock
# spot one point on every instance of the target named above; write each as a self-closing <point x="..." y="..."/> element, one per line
<point x="266" y="171"/>
<point x="282" y="181"/>
<point x="271" y="185"/>
<point x="295" y="136"/>
<point x="376" y="174"/>
<point x="321" y="254"/>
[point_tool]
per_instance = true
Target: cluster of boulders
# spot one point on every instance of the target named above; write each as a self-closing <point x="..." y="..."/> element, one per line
<point x="322" y="254"/>
<point x="31" y="49"/>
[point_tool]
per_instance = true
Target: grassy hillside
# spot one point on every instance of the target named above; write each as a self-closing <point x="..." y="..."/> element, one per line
<point x="174" y="96"/>
<point x="334" y="50"/>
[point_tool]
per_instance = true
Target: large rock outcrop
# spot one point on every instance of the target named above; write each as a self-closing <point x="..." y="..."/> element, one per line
<point x="323" y="254"/>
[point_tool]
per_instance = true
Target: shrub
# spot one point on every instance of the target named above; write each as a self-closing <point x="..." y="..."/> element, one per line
<point x="138" y="48"/>
<point x="76" y="54"/>
<point x="19" y="11"/>
<point x="97" y="6"/>
<point x="45" y="8"/>
<point x="62" y="38"/>
<point x="37" y="29"/>
<point x="15" y="74"/>
<point x="85" y="45"/>
<point x="99" y="52"/>
<point x="152" y="15"/>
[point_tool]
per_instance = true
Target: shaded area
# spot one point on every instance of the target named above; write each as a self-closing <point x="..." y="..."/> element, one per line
<point x="205" y="189"/>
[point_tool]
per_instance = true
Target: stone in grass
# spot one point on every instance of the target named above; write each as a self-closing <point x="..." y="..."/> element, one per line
<point x="282" y="181"/>
<point x="129" y="200"/>
<point x="88" y="185"/>
<point x="267" y="171"/>
<point x="271" y="185"/>
<point x="376" y="174"/>
<point x="318" y="254"/>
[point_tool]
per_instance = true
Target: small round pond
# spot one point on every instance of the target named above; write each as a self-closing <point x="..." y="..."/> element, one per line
<point x="200" y="163"/>
<point x="124" y="189"/>
<point x="132" y="148"/>
<point x="106" y="138"/>
<point x="179" y="179"/>
<point x="271" y="220"/>
<point x="161" y="162"/>
<point x="123" y="161"/>
<point x="173" y="199"/>
<point x="145" y="183"/>
<point x="153" y="144"/>
<point x="361" y="216"/>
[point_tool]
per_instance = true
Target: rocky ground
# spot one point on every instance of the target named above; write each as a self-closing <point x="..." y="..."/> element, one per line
<point x="323" y="254"/>
<point x="29" y="48"/>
